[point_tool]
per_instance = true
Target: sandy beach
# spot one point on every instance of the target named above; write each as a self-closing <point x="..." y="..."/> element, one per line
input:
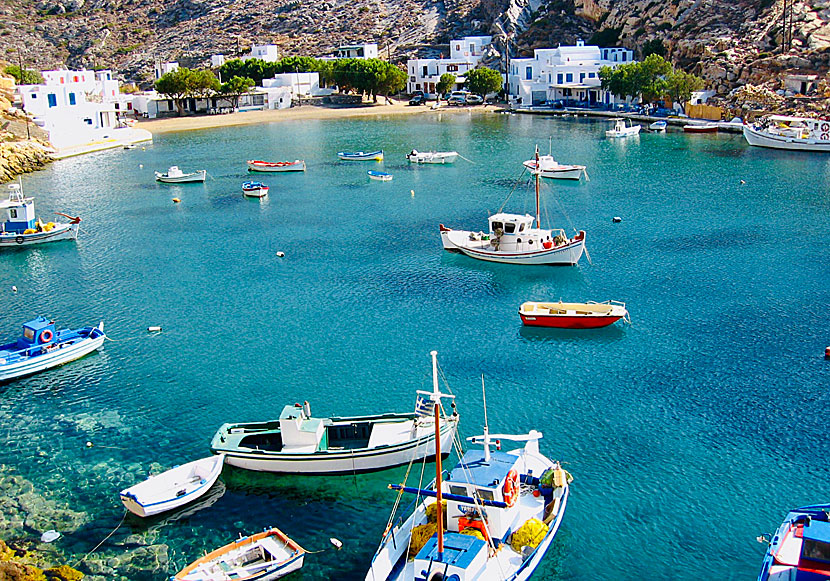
<point x="189" y="123"/>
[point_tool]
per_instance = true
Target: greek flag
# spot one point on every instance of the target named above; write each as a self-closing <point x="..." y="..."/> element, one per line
<point x="424" y="406"/>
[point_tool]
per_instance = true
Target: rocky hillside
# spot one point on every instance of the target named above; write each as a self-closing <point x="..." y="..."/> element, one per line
<point x="729" y="43"/>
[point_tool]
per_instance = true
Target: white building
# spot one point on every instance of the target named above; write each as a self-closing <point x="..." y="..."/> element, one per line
<point x="75" y="106"/>
<point x="299" y="84"/>
<point x="465" y="54"/>
<point x="266" y="52"/>
<point x="357" y="51"/>
<point x="162" y="69"/>
<point x="217" y="60"/>
<point x="564" y="73"/>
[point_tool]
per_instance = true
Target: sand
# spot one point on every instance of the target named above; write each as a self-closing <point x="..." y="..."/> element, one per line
<point x="189" y="123"/>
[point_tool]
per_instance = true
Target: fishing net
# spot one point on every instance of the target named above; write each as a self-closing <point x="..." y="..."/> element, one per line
<point x="529" y="535"/>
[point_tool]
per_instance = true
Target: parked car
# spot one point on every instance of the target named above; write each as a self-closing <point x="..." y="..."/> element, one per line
<point x="457" y="100"/>
<point x="417" y="100"/>
<point x="474" y="99"/>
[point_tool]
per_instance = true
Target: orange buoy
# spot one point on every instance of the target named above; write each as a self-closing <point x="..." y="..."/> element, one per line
<point x="176" y="200"/>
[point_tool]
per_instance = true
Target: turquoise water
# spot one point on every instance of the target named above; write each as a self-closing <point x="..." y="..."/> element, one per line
<point x="688" y="433"/>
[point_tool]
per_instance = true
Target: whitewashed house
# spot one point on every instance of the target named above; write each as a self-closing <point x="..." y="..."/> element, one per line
<point x="162" y="69"/>
<point x="564" y="73"/>
<point x="357" y="51"/>
<point x="465" y="54"/>
<point x="266" y="52"/>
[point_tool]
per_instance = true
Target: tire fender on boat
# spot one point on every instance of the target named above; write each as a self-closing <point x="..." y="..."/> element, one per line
<point x="19" y="239"/>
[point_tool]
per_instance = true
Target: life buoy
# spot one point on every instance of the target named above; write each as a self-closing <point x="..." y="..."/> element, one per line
<point x="825" y="127"/>
<point x="510" y="490"/>
<point x="825" y="136"/>
<point x="46" y="336"/>
<point x="19" y="239"/>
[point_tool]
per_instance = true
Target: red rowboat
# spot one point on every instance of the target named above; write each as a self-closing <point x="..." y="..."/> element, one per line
<point x="701" y="128"/>
<point x="257" y="165"/>
<point x="590" y="315"/>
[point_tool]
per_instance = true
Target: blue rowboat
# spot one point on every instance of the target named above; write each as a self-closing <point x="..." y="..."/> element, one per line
<point x="42" y="347"/>
<point x="379" y="175"/>
<point x="361" y="155"/>
<point x="800" y="547"/>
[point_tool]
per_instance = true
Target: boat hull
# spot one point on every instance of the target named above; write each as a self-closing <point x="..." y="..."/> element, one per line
<point x="59" y="232"/>
<point x="565" y="255"/>
<point x="264" y="166"/>
<point x="380" y="176"/>
<point x="144" y="506"/>
<point x="198" y="176"/>
<point x="361" y="156"/>
<point x="568" y="173"/>
<point x="628" y="132"/>
<point x="436" y="158"/>
<point x="255" y="193"/>
<point x="567" y="322"/>
<point x="338" y="462"/>
<point x="700" y="128"/>
<point x="761" y="139"/>
<point x="35" y="364"/>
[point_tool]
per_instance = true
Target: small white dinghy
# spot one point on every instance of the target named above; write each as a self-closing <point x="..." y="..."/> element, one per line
<point x="262" y="557"/>
<point x="174" y="488"/>
<point x="176" y="176"/>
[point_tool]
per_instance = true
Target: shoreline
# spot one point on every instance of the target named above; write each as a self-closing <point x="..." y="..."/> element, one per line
<point x="303" y="112"/>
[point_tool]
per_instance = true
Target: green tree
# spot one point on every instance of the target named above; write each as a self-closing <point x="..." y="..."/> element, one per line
<point x="445" y="83"/>
<point x="176" y="86"/>
<point x="482" y="81"/>
<point x="256" y="69"/>
<point x="646" y="78"/>
<point x="681" y="85"/>
<point x="23" y="76"/>
<point x="235" y="88"/>
<point x="203" y="84"/>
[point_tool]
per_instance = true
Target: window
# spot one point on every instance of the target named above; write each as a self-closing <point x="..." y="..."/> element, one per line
<point x="566" y="92"/>
<point x="509" y="228"/>
<point x="528" y="73"/>
<point x="71" y="98"/>
<point x="815" y="550"/>
<point x="29" y="333"/>
<point x="497" y="226"/>
<point x="624" y="57"/>
<point x="12" y="213"/>
<point x="458" y="47"/>
<point x="452" y="68"/>
<point x="591" y="75"/>
<point x="53" y="100"/>
<point x="581" y="77"/>
<point x="569" y="77"/>
<point x="34" y="96"/>
<point x="559" y="78"/>
<point x="88" y="120"/>
<point x="522" y="227"/>
<point x="458" y="490"/>
<point x="484" y="494"/>
<point x="425" y="73"/>
<point x="75" y="79"/>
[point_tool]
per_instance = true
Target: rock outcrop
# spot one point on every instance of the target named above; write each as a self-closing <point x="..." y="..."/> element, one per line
<point x="22" y="157"/>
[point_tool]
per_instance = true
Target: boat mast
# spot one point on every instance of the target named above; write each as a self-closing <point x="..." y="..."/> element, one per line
<point x="486" y="427"/>
<point x="439" y="507"/>
<point x="538" y="171"/>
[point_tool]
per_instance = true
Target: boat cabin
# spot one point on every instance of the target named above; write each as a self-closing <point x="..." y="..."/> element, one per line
<point x="19" y="211"/>
<point x="814" y="555"/>
<point x="515" y="232"/>
<point x="299" y="431"/>
<point x="40" y="331"/>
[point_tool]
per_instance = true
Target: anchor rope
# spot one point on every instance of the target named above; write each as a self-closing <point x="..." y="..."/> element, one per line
<point x="82" y="559"/>
<point x="106" y="337"/>
<point x="465" y="159"/>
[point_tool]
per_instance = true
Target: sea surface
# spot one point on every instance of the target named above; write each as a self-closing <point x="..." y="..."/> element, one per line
<point x="688" y="433"/>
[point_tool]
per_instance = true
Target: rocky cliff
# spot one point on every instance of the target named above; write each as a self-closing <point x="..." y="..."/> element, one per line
<point x="728" y="43"/>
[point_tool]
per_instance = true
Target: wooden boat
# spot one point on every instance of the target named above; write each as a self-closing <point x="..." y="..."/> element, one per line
<point x="260" y="557"/>
<point x="297" y="443"/>
<point x="550" y="168"/>
<point x="658" y="126"/>
<point x="800" y="548"/>
<point x="380" y="176"/>
<point x="512" y="239"/>
<point x="21" y="228"/>
<point x="42" y="347"/>
<point x="361" y="155"/>
<point x="296" y="165"/>
<point x="416" y="156"/>
<point x="590" y="315"/>
<point x="176" y="176"/>
<point x="254" y="189"/>
<point x="176" y="487"/>
<point x="786" y="132"/>
<point x="503" y="511"/>
<point x="621" y="129"/>
<point x="700" y="128"/>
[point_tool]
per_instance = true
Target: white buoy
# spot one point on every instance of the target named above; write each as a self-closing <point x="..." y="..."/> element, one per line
<point x="281" y="254"/>
<point x="49" y="536"/>
<point x="141" y="166"/>
<point x="336" y="543"/>
<point x="412" y="193"/>
<point x="154" y="329"/>
<point x="14" y="289"/>
<point x="616" y="219"/>
<point x="89" y="444"/>
<point x="743" y="182"/>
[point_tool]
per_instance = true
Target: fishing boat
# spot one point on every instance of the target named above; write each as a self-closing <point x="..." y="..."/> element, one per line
<point x="550" y="168"/>
<point x="361" y="155"/>
<point x="501" y="511"/>
<point x="786" y="132"/>
<point x="512" y="239"/>
<point x="589" y="315"/>
<point x="254" y="189"/>
<point x="800" y="548"/>
<point x="176" y="176"/>
<point x="621" y="129"/>
<point x="380" y="176"/>
<point x="416" y="156"/>
<point x="700" y="128"/>
<point x="22" y="228"/>
<point x="257" y="165"/>
<point x="176" y="487"/>
<point x="658" y="126"/>
<point x="298" y="443"/>
<point x="42" y="347"/>
<point x="260" y="557"/>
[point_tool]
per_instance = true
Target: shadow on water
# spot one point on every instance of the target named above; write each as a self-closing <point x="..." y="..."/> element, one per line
<point x="139" y="525"/>
<point x="605" y="335"/>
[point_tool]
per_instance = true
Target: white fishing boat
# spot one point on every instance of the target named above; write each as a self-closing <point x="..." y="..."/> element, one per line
<point x="501" y="511"/>
<point x="21" y="228"/>
<point x="658" y="126"/>
<point x="261" y="557"/>
<point x="379" y="176"/>
<point x="512" y="239"/>
<point x="785" y="132"/>
<point x="254" y="189"/>
<point x="298" y="443"/>
<point x="176" y="487"/>
<point x="361" y="155"/>
<point x="416" y="156"/>
<point x="42" y="347"/>
<point x="268" y="166"/>
<point x="176" y="176"/>
<point x="622" y="128"/>
<point x="550" y="168"/>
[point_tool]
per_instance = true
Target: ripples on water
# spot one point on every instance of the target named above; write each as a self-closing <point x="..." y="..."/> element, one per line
<point x="688" y="432"/>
